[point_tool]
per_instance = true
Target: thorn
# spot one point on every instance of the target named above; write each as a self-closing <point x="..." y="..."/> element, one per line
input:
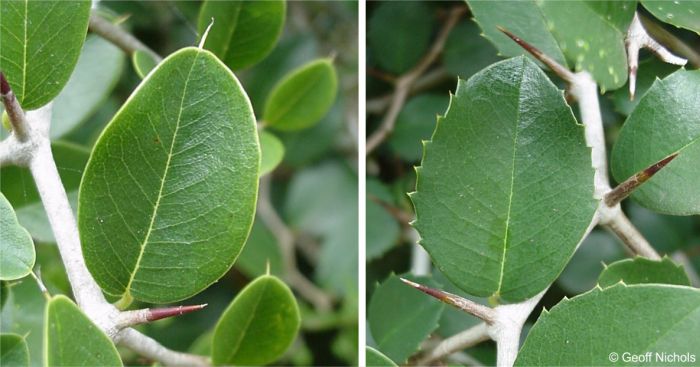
<point x="624" y="189"/>
<point x="483" y="312"/>
<point x="161" y="313"/>
<point x="4" y="85"/>
<point x="206" y="33"/>
<point x="558" y="69"/>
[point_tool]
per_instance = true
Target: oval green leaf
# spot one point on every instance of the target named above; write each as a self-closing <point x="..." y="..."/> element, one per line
<point x="683" y="14"/>
<point x="642" y="270"/>
<point x="97" y="72"/>
<point x="302" y="97"/>
<point x="375" y="358"/>
<point x="490" y="220"/>
<point x="168" y="196"/>
<point x="258" y="326"/>
<point x="16" y="246"/>
<point x="272" y="152"/>
<point x="41" y="42"/>
<point x="666" y="121"/>
<point x="23" y="314"/>
<point x="143" y="63"/>
<point x="244" y="32"/>
<point x="71" y="339"/>
<point x="400" y="317"/>
<point x="13" y="351"/>
<point x="586" y="330"/>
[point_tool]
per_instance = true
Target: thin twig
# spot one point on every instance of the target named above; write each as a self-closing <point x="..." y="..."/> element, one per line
<point x="638" y="38"/>
<point x="120" y="38"/>
<point x="149" y="348"/>
<point x="285" y="238"/>
<point x="404" y="83"/>
<point x="465" y="339"/>
<point x="630" y="236"/>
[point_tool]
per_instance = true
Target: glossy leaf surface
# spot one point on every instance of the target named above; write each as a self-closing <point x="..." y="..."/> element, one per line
<point x="143" y="63"/>
<point x="168" y="196"/>
<point x="303" y="97"/>
<point x="490" y="220"/>
<point x="666" y="121"/>
<point x="73" y="340"/>
<point x="258" y="326"/>
<point x="272" y="152"/>
<point x="41" y="42"/>
<point x="244" y="32"/>
<point x="683" y="14"/>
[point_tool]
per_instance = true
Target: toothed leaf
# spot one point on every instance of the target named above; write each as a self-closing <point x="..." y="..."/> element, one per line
<point x="489" y="219"/>
<point x="375" y="358"/>
<point x="400" y="317"/>
<point x="641" y="270"/>
<point x="666" y="120"/>
<point x="634" y="319"/>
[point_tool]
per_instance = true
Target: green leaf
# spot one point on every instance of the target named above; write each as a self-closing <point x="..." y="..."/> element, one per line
<point x="375" y="358"/>
<point x="258" y="326"/>
<point x="24" y="315"/>
<point x="272" y="152"/>
<point x="73" y="340"/>
<point x="666" y="233"/>
<point x="466" y="51"/>
<point x="260" y="250"/>
<point x="41" y="42"/>
<point x="97" y="72"/>
<point x="13" y="351"/>
<point x="302" y="97"/>
<point x="656" y="129"/>
<point x="683" y="14"/>
<point x="400" y="317"/>
<point x="636" y="319"/>
<point x="416" y="123"/>
<point x="522" y="18"/>
<point x="398" y="34"/>
<point x="18" y="186"/>
<point x="304" y="147"/>
<point x="493" y="224"/>
<point x="642" y="270"/>
<point x="453" y="320"/>
<point x="244" y="32"/>
<point x="143" y="63"/>
<point x="168" y="196"/>
<point x="648" y="71"/>
<point x="592" y="36"/>
<point x="4" y="293"/>
<point x="16" y="245"/>
<point x="581" y="273"/>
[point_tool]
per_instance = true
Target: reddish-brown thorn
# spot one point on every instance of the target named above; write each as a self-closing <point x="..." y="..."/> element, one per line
<point x="624" y="189"/>
<point x="4" y="85"/>
<point x="558" y="69"/>
<point x="161" y="313"/>
<point x="483" y="312"/>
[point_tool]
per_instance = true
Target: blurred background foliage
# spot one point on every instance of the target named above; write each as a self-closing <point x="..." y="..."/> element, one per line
<point x="313" y="189"/>
<point x="398" y="37"/>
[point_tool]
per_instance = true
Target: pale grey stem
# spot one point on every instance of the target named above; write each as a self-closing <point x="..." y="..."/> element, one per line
<point x="120" y="38"/>
<point x="465" y="339"/>
<point x="420" y="260"/>
<point x="614" y="220"/>
<point x="148" y="347"/>
<point x="285" y="239"/>
<point x="638" y="38"/>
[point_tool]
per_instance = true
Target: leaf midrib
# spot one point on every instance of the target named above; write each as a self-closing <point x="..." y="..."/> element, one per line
<point x="512" y="182"/>
<point x="127" y="289"/>
<point x="244" y="329"/>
